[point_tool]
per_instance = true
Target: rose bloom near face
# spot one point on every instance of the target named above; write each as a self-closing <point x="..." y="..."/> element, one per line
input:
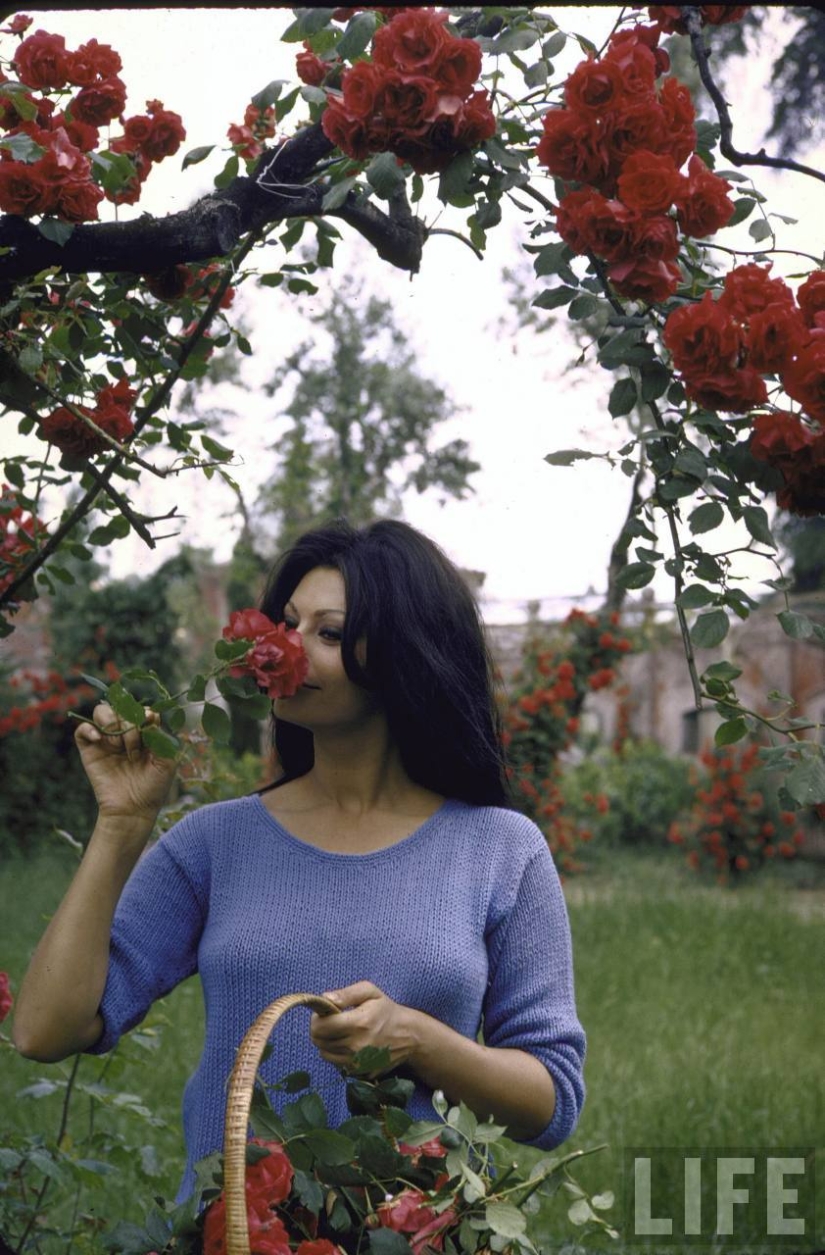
<point x="327" y="698"/>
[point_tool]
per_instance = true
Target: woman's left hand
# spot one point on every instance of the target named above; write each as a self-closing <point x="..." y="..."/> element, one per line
<point x="368" y="1018"/>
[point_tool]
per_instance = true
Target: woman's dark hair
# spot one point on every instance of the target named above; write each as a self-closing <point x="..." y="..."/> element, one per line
<point x="426" y="656"/>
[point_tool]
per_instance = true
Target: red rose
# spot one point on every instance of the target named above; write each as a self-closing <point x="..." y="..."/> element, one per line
<point x="702" y="201"/>
<point x="310" y="68"/>
<point x="42" y="60"/>
<point x="420" y="1224"/>
<point x="679" y="114"/>
<point x="645" y="279"/>
<point x="638" y="59"/>
<point x="361" y="87"/>
<point x="774" y="335"/>
<point x="272" y="1175"/>
<point x="18" y="24"/>
<point x="804" y="378"/>
<point x="703" y="336"/>
<point x="6" y="999"/>
<point x="166" y="134"/>
<point x="91" y="63"/>
<point x="811" y="296"/>
<point x="317" y="1246"/>
<point x="276" y="658"/>
<point x="412" y="42"/>
<point x="638" y="125"/>
<point x="410" y="104"/>
<point x="112" y="409"/>
<point x="573" y="146"/>
<point x="593" y="85"/>
<point x="78" y="199"/>
<point x="655" y="237"/>
<point x="459" y="66"/>
<point x="22" y="190"/>
<point x="749" y="288"/>
<point x="267" y="1234"/>
<point x="474" y="121"/>
<point x="349" y="134"/>
<point x="733" y="391"/>
<point x="649" y="182"/>
<point x="100" y="103"/>
<point x="780" y="436"/>
<point x="588" y="222"/>
<point x="136" y="131"/>
<point x="84" y="137"/>
<point x="70" y="434"/>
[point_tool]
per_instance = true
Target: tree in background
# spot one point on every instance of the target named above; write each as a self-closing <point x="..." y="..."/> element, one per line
<point x="362" y="418"/>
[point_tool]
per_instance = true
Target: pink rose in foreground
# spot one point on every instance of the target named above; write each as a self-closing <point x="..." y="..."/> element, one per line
<point x="276" y="658"/>
<point x="5" y="996"/>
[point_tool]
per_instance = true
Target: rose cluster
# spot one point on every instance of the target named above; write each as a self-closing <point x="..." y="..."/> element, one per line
<point x="725" y="348"/>
<point x="670" y="18"/>
<point x="275" y="659"/>
<point x="46" y="696"/>
<point x="415" y="98"/>
<point x="79" y="441"/>
<point x="731" y="825"/>
<point x="268" y="1185"/>
<point x="620" y="141"/>
<point x="19" y="533"/>
<point x="6" y="999"/>
<point x="53" y="176"/>
<point x="258" y="125"/>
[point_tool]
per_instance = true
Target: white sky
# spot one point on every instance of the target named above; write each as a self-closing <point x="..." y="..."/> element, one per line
<point x="538" y="532"/>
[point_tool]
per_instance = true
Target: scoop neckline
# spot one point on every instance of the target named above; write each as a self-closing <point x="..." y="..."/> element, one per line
<point x="382" y="851"/>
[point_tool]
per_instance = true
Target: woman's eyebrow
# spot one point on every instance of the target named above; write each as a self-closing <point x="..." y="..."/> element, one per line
<point x="290" y="605"/>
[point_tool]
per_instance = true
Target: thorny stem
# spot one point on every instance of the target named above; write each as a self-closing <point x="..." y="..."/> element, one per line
<point x="64" y="1120"/>
<point x="156" y="401"/>
<point x="693" y="22"/>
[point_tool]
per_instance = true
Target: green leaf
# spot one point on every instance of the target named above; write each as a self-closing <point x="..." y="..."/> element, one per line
<point x="384" y="175"/>
<point x="216" y="723"/>
<point x="566" y="457"/>
<point x="603" y="1201"/>
<point x="229" y="173"/>
<point x="656" y="379"/>
<point x="706" y="517"/>
<point x="583" y="306"/>
<point x="553" y="259"/>
<point x="636" y="575"/>
<point x="355" y="38"/>
<point x="723" y="671"/>
<point x="743" y="208"/>
<point x="455" y="180"/>
<point x="197" y="689"/>
<point x="730" y="731"/>
<point x="309" y="1191"/>
<point x="552" y="298"/>
<point x="710" y="629"/>
<point x="694" y="596"/>
<point x="196" y="155"/>
<point x="580" y="1212"/>
<point x="797" y="626"/>
<point x="806" y="782"/>
<point x="760" y="230"/>
<point x="55" y="230"/>
<point x="126" y="706"/>
<point x="388" y="1242"/>
<point x="623" y="397"/>
<point x="330" y="1147"/>
<point x="505" y="1219"/>
<point x="756" y="521"/>
<point x="22" y="147"/>
<point x="691" y="462"/>
<point x="337" y="194"/>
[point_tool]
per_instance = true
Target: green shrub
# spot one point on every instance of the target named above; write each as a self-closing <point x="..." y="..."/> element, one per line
<point x="630" y="797"/>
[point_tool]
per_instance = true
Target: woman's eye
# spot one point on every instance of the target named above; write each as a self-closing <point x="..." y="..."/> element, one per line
<point x="330" y="634"/>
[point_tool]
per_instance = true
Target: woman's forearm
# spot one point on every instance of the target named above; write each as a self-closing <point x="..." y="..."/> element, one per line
<point x="57" y="1010"/>
<point x="512" y="1086"/>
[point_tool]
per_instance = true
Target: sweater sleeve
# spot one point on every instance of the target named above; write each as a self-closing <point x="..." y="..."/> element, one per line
<point x="155" y="931"/>
<point x="530" y="1002"/>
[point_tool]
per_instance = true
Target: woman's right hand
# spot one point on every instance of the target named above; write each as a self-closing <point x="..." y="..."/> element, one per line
<point x="129" y="782"/>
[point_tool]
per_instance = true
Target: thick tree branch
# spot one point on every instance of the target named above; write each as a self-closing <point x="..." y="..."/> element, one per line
<point x="280" y="188"/>
<point x="693" y="22"/>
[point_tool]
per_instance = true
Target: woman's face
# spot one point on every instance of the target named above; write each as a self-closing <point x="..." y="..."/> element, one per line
<point x="328" y="698"/>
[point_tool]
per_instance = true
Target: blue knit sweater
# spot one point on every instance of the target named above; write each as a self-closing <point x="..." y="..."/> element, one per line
<point x="463" y="919"/>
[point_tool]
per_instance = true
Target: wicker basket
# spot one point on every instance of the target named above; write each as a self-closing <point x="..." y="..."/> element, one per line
<point x="241" y="1085"/>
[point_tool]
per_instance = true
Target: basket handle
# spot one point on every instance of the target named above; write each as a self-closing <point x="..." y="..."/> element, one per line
<point x="239" y="1101"/>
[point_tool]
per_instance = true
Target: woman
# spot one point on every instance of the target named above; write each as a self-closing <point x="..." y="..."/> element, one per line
<point x="383" y="867"/>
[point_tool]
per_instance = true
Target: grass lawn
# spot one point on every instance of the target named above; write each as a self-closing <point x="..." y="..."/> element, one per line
<point x="704" y="1010"/>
